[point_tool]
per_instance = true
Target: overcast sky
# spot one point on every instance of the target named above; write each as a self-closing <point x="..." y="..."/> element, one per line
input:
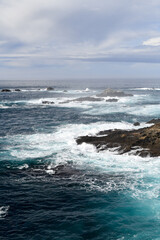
<point x="49" y="39"/>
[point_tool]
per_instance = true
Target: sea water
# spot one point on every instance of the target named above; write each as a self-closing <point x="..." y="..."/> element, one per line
<point x="93" y="195"/>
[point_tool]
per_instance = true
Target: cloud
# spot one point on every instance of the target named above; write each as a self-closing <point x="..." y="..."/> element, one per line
<point x="152" y="42"/>
<point x="52" y="33"/>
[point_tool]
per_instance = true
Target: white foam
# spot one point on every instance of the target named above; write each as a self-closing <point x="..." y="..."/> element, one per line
<point x="50" y="172"/>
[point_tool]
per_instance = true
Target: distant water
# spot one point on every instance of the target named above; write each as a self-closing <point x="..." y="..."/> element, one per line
<point x="52" y="188"/>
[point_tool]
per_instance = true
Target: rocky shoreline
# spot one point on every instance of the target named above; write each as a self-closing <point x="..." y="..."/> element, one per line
<point x="143" y="142"/>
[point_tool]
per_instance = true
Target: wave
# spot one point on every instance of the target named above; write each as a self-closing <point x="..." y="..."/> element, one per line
<point x="3" y="211"/>
<point x="33" y="90"/>
<point x="3" y="106"/>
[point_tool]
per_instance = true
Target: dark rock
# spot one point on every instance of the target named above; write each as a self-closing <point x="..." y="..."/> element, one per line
<point x="47" y="102"/>
<point x="112" y="100"/>
<point x="136" y="124"/>
<point x="113" y="93"/>
<point x="144" y="142"/>
<point x="50" y="88"/>
<point x="5" y="90"/>
<point x="154" y="121"/>
<point x="65" y="91"/>
<point x="17" y="90"/>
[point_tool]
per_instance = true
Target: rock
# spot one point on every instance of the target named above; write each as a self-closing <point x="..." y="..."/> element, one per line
<point x="113" y="93"/>
<point x="17" y="90"/>
<point x="50" y="88"/>
<point x="84" y="99"/>
<point x="112" y="100"/>
<point x="65" y="91"/>
<point x="5" y="90"/>
<point x="136" y="124"/>
<point x="142" y="142"/>
<point x="47" y="102"/>
<point x="154" y="121"/>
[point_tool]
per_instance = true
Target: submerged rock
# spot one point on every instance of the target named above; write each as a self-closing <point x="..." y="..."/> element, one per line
<point x="17" y="90"/>
<point x="113" y="93"/>
<point x="5" y="90"/>
<point x="142" y="142"/>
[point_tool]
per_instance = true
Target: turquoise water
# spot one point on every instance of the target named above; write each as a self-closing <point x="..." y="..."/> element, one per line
<point x="52" y="188"/>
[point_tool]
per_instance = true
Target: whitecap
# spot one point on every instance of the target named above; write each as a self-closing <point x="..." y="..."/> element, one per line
<point x="24" y="166"/>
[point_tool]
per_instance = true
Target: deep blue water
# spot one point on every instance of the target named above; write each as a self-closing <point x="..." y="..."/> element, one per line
<point x="50" y="188"/>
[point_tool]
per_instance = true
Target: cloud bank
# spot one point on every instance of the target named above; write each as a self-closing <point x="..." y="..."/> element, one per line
<point x="62" y="34"/>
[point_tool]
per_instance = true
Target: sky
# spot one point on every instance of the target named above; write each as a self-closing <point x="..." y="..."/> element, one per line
<point x="62" y="39"/>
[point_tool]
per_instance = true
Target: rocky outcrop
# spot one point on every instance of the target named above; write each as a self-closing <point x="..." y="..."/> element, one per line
<point x="5" y="90"/>
<point x="113" y="93"/>
<point x="142" y="142"/>
<point x="156" y="120"/>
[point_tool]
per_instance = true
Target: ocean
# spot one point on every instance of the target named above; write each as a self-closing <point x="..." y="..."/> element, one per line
<point x="52" y="188"/>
